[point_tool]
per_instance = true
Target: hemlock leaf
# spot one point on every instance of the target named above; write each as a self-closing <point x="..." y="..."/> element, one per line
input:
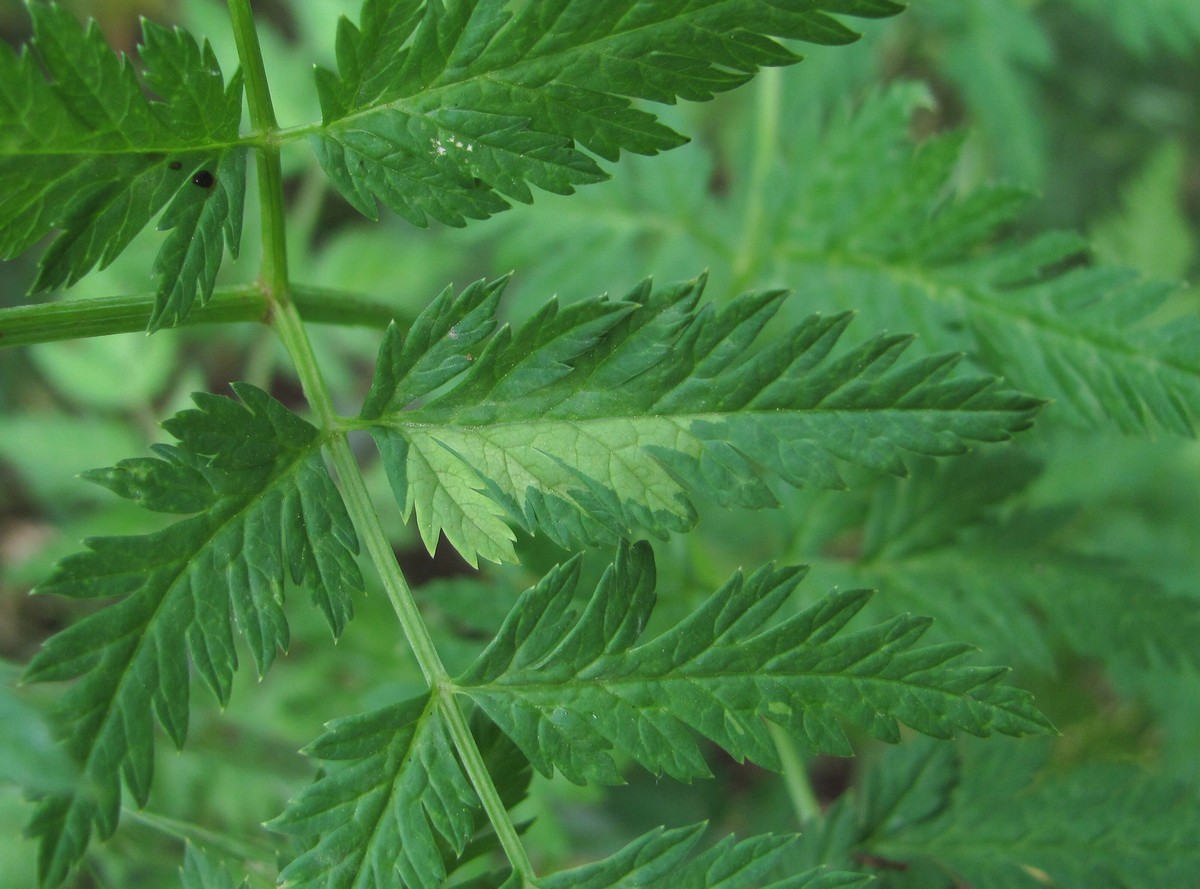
<point x="573" y="690"/>
<point x="84" y="152"/>
<point x="601" y="419"/>
<point x="1010" y="823"/>
<point x="667" y="859"/>
<point x="451" y="108"/>
<point x="396" y="809"/>
<point x="262" y="505"/>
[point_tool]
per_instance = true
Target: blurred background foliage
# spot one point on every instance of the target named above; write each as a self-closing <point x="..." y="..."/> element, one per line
<point x="1086" y="108"/>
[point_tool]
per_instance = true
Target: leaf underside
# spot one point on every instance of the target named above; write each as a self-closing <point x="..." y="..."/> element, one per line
<point x="567" y="692"/>
<point x="260" y="506"/>
<point x="602" y="420"/>
<point x="83" y="152"/>
<point x="452" y="108"/>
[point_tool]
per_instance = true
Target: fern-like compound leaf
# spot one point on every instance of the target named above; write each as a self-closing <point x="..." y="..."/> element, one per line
<point x="260" y="507"/>
<point x="451" y="108"/>
<point x="395" y="809"/>
<point x="602" y="419"/>
<point x="667" y="859"/>
<point x="571" y="690"/>
<point x="83" y="152"/>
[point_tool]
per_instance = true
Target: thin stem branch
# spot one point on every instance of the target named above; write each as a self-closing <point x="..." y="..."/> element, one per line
<point x="768" y="97"/>
<point x="84" y="318"/>
<point x="795" y="777"/>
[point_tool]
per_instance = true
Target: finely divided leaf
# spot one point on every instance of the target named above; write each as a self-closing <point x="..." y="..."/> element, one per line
<point x="84" y="152"/>
<point x="262" y="507"/>
<point x="573" y="690"/>
<point x="667" y="859"/>
<point x="604" y="419"/>
<point x="451" y="108"/>
<point x="395" y="809"/>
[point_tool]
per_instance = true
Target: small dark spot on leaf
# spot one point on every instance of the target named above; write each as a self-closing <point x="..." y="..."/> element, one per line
<point x="476" y="182"/>
<point x="204" y="179"/>
<point x="175" y="165"/>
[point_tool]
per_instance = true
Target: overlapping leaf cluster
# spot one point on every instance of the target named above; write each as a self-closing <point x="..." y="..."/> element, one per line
<point x="604" y="419"/>
<point x="261" y="507"/>
<point x="83" y="152"/>
<point x="999" y="816"/>
<point x="596" y="422"/>
<point x="571" y="691"/>
<point x="951" y="545"/>
<point x="861" y="218"/>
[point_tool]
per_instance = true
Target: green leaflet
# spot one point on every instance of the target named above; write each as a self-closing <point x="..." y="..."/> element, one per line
<point x="669" y="860"/>
<point x="451" y="108"/>
<point x="85" y="153"/>
<point x="997" y="819"/>
<point x="395" y="808"/>
<point x="571" y="691"/>
<point x="604" y="419"/>
<point x="261" y="505"/>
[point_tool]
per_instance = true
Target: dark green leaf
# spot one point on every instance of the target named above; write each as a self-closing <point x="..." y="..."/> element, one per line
<point x="451" y="109"/>
<point x="85" y="153"/>
<point x="602" y="419"/>
<point x="572" y="690"/>
<point x="265" y="508"/>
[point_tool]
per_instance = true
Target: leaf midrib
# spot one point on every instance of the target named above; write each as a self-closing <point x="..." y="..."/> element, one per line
<point x="394" y="421"/>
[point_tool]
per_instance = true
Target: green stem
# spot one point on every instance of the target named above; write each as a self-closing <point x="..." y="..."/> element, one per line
<point x="766" y="143"/>
<point x="80" y="319"/>
<point x="795" y="777"/>
<point x="202" y="836"/>
<point x="270" y="171"/>
<point x="290" y="328"/>
<point x="379" y="549"/>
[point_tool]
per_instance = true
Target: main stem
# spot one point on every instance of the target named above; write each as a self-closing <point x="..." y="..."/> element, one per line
<point x="290" y="327"/>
